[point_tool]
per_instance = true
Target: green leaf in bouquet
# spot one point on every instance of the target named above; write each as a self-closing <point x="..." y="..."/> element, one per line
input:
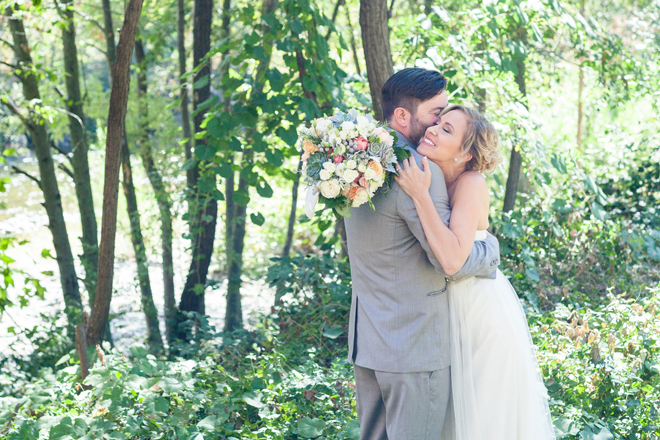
<point x="401" y="154"/>
<point x="343" y="211"/>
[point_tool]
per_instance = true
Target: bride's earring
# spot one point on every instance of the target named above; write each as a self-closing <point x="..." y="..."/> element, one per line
<point x="456" y="159"/>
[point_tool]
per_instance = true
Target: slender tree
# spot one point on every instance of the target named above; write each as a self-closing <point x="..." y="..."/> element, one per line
<point x="80" y="162"/>
<point x="203" y="219"/>
<point x="183" y="84"/>
<point x="37" y="126"/>
<point x="154" y="337"/>
<point x="376" y="45"/>
<point x="116" y="126"/>
<point x="515" y="161"/>
<point x="162" y="196"/>
<point x="234" y="310"/>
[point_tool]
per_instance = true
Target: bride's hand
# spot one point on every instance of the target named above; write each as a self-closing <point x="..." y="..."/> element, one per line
<point x="414" y="181"/>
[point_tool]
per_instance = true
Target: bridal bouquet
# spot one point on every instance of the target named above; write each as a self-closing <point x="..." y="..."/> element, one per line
<point x="346" y="159"/>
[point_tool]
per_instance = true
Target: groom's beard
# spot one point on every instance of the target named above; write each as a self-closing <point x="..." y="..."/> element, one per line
<point x="417" y="130"/>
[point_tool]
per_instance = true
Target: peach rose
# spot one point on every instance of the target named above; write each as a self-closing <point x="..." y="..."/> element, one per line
<point x="360" y="197"/>
<point x="309" y="147"/>
<point x="377" y="167"/>
<point x="338" y="159"/>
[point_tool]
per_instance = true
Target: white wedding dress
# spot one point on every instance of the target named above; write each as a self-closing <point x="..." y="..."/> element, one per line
<point x="497" y="388"/>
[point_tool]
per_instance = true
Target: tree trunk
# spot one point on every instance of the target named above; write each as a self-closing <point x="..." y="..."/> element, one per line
<point x="376" y="45"/>
<point x="80" y="148"/>
<point x="204" y="213"/>
<point x="234" y="312"/>
<point x="356" y="58"/>
<point x="292" y="214"/>
<point x="52" y="199"/>
<point x="515" y="163"/>
<point x="580" y="117"/>
<point x="154" y="338"/>
<point x="116" y="126"/>
<point x="162" y="196"/>
<point x="183" y="83"/>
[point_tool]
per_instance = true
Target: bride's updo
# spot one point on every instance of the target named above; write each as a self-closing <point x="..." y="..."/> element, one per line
<point x="481" y="141"/>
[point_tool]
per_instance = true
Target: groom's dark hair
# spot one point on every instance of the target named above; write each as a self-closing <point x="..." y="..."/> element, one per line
<point x="408" y="87"/>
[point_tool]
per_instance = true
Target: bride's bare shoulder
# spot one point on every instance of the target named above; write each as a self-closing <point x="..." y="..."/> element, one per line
<point x="472" y="182"/>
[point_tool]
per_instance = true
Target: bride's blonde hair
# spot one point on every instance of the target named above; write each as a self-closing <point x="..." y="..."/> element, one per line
<point x="481" y="141"/>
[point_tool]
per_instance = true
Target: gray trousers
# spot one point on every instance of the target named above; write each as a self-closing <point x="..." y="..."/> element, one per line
<point x="401" y="406"/>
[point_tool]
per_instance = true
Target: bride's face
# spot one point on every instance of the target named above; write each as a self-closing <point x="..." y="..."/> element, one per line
<point x="442" y="142"/>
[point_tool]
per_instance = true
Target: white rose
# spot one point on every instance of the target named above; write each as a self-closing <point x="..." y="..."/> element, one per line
<point x="339" y="171"/>
<point x="362" y="168"/>
<point x="373" y="187"/>
<point x="330" y="188"/>
<point x="361" y="197"/>
<point x="325" y="175"/>
<point x="331" y="167"/>
<point x="322" y="125"/>
<point x="370" y="174"/>
<point x="350" y="175"/>
<point x="347" y="126"/>
<point x="351" y="164"/>
<point x="361" y="120"/>
<point x="387" y="140"/>
<point x="333" y="140"/>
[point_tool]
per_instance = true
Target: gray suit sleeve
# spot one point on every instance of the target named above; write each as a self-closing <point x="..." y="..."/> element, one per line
<point x="485" y="255"/>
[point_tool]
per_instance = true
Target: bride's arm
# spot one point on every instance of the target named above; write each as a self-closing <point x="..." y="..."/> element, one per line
<point x="451" y="245"/>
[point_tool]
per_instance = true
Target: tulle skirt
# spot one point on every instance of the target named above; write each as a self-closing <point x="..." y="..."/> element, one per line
<point x="497" y="388"/>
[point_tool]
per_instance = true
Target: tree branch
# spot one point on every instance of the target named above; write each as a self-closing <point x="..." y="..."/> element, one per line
<point x="8" y="65"/>
<point x="59" y="150"/>
<point x="66" y="170"/>
<point x="334" y="17"/>
<point x="91" y="20"/>
<point x="2" y="40"/>
<point x="17" y="170"/>
<point x="15" y="111"/>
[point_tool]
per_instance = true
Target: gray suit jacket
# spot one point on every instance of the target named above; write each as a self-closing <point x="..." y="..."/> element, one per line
<point x="399" y="312"/>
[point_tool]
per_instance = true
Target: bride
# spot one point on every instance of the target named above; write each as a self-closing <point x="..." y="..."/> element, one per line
<point x="497" y="389"/>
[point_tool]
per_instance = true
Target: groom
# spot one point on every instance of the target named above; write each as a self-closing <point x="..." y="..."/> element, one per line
<point x="399" y="325"/>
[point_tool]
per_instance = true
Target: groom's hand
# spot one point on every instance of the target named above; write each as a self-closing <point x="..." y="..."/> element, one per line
<point x="413" y="180"/>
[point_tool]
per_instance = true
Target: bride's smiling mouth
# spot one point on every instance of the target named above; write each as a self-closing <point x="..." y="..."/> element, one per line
<point x="428" y="141"/>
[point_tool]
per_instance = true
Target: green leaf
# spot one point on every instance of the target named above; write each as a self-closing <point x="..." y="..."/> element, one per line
<point x="45" y="253"/>
<point x="532" y="274"/>
<point x="209" y="423"/>
<point x="265" y="191"/>
<point x="559" y="164"/>
<point x="242" y="197"/>
<point x="343" y="211"/>
<point x="332" y="332"/>
<point x="275" y="79"/>
<point x="63" y="359"/>
<point x="253" y="399"/>
<point x="310" y="428"/>
<point x="296" y="26"/>
<point x="235" y="145"/>
<point x="201" y="82"/>
<point x="353" y="430"/>
<point x="598" y="211"/>
<point x="257" y="219"/>
<point x="565" y="427"/>
<point x="275" y="157"/>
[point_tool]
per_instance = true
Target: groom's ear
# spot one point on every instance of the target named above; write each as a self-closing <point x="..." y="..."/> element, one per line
<point x="401" y="116"/>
